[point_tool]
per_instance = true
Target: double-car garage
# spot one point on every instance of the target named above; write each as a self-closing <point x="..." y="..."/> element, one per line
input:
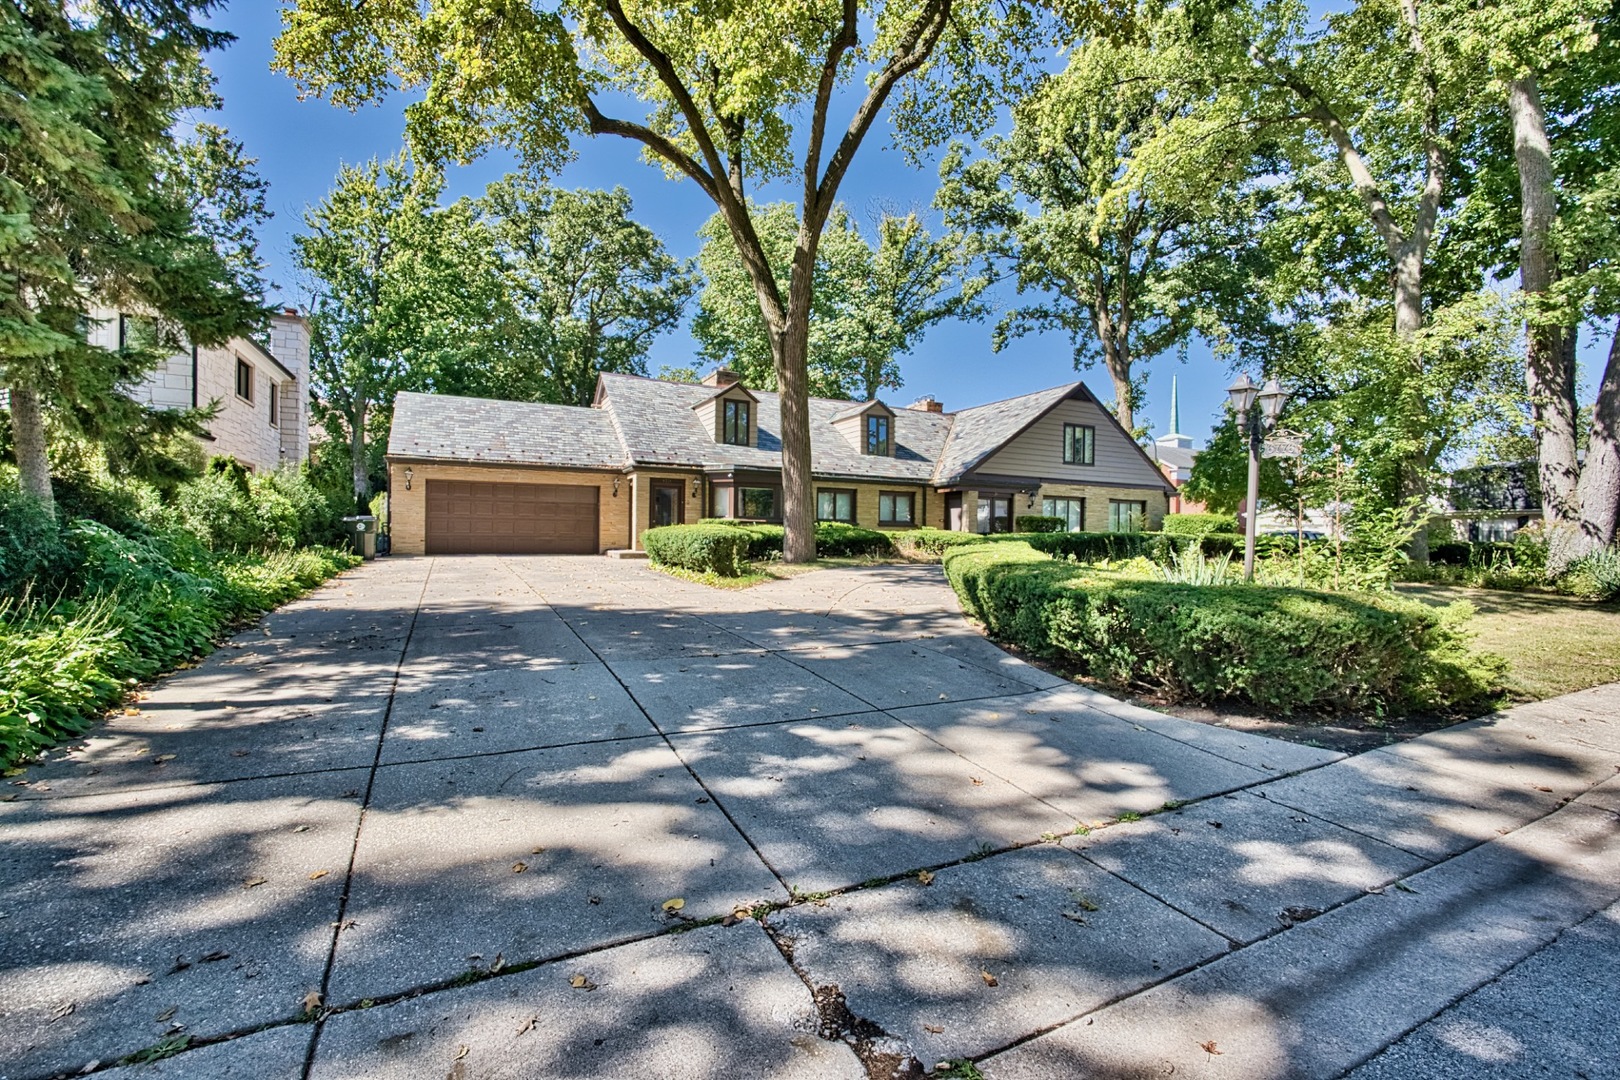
<point x="466" y="517"/>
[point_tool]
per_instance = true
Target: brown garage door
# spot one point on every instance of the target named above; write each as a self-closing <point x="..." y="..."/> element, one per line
<point x="466" y="518"/>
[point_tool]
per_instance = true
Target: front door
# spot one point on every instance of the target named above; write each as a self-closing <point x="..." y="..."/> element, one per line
<point x="1000" y="512"/>
<point x="668" y="503"/>
<point x="953" y="512"/>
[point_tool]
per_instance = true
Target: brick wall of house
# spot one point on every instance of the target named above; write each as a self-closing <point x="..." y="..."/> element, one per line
<point x="1097" y="500"/>
<point x="241" y="428"/>
<point x="929" y="504"/>
<point x="642" y="506"/>
<point x="407" y="509"/>
<point x="289" y="343"/>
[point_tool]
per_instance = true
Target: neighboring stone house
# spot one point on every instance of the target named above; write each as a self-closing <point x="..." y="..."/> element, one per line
<point x="262" y="389"/>
<point x="476" y="475"/>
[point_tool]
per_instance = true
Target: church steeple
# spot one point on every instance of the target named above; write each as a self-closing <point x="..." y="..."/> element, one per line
<point x="1174" y="437"/>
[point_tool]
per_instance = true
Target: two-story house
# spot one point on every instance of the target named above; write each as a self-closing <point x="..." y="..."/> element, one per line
<point x="261" y="389"/>
<point x="478" y="475"/>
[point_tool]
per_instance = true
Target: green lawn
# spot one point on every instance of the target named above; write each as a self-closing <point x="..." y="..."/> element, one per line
<point x="1555" y="644"/>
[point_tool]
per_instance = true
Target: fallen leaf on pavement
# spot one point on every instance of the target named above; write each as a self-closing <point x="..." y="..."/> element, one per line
<point x="977" y="781"/>
<point x="215" y="957"/>
<point x="463" y="1051"/>
<point x="500" y="962"/>
<point x="318" y="874"/>
<point x="674" y="905"/>
<point x="1210" y="1048"/>
<point x="166" y="1015"/>
<point x="580" y="982"/>
<point x="254" y="881"/>
<point x="312" y="1001"/>
<point x="300" y="828"/>
<point x="162" y="758"/>
<point x="60" y="1011"/>
<point x="932" y="1030"/>
<point x="528" y="1025"/>
<point x="519" y="867"/>
<point x="989" y="979"/>
<point x="925" y="877"/>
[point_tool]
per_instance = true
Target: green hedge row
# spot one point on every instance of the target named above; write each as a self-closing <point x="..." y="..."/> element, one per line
<point x="704" y="549"/>
<point x="834" y="539"/>
<point x="1199" y="524"/>
<point x="144" y="604"/>
<point x="1276" y="648"/>
<point x="1040" y="523"/>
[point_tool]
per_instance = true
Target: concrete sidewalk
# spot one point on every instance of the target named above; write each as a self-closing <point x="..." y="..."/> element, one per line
<point x="535" y="817"/>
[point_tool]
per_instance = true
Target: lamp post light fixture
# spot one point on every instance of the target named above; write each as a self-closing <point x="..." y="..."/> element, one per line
<point x="1244" y="395"/>
<point x="408" y="474"/>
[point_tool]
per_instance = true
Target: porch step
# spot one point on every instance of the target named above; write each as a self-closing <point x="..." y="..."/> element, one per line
<point x="625" y="553"/>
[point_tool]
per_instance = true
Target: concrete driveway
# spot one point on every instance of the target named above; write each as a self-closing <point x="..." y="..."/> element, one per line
<point x="536" y="817"/>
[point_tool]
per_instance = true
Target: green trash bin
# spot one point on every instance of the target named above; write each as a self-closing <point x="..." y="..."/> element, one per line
<point x="363" y="534"/>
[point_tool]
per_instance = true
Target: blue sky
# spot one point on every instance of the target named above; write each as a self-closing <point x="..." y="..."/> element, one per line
<point x="299" y="146"/>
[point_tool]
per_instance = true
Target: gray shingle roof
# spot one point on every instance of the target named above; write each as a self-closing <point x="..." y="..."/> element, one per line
<point x="660" y="428"/>
<point x="640" y="421"/>
<point x="981" y="430"/>
<point x="437" y="426"/>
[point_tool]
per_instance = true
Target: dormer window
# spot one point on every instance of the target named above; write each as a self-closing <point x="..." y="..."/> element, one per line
<point x="877" y="437"/>
<point x="735" y="426"/>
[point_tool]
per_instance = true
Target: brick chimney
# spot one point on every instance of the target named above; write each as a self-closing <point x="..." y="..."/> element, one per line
<point x="927" y="404"/>
<point x="720" y="377"/>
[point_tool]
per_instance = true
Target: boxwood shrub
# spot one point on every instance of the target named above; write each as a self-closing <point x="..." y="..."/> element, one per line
<point x="834" y="539"/>
<point x="705" y="549"/>
<point x="1199" y="524"/>
<point x="1040" y="523"/>
<point x="1279" y="649"/>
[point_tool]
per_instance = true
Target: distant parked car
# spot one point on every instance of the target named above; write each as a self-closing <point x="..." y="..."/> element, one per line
<point x="1306" y="534"/>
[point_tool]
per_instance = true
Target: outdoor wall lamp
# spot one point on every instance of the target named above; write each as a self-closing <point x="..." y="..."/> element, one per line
<point x="697" y="487"/>
<point x="615" y="487"/>
<point x="408" y="475"/>
<point x="1244" y="394"/>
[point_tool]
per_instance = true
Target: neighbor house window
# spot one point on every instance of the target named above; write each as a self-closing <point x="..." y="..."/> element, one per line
<point x="896" y="508"/>
<point x="758" y="503"/>
<point x="877" y="436"/>
<point x="137" y="332"/>
<point x="722" y="502"/>
<point x="1072" y="511"/>
<point x="1079" y="444"/>
<point x="275" y="405"/>
<point x="736" y="423"/>
<point x="835" y="505"/>
<point x="244" y="379"/>
<point x="1125" y="515"/>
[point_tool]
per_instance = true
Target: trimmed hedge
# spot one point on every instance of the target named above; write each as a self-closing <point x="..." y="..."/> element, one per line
<point x="1199" y="524"/>
<point x="705" y="549"/>
<point x="1040" y="523"/>
<point x="834" y="539"/>
<point x="1282" y="649"/>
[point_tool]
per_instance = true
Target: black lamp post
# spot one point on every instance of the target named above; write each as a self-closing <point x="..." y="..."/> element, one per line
<point x="1254" y="423"/>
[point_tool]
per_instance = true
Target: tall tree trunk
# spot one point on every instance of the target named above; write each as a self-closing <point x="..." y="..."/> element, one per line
<point x="1408" y="281"/>
<point x="1414" y="474"/>
<point x="28" y="435"/>
<point x="1599" y="489"/>
<point x="792" y="350"/>
<point x="359" y="460"/>
<point x="1118" y="363"/>
<point x="1549" y="368"/>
